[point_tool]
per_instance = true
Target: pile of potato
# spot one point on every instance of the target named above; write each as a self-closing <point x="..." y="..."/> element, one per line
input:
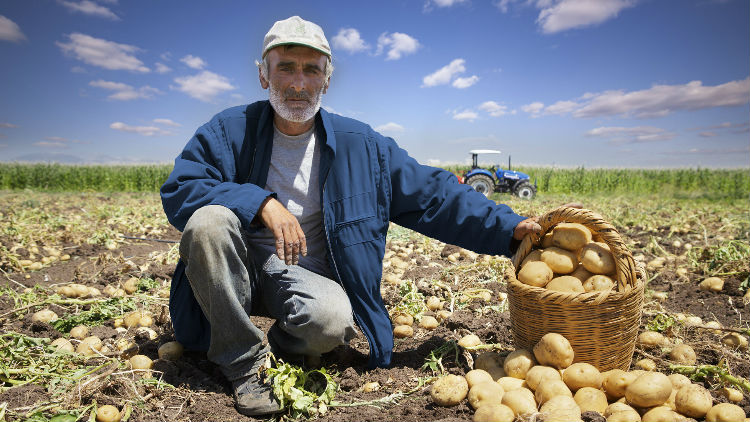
<point x="569" y="260"/>
<point x="545" y="384"/>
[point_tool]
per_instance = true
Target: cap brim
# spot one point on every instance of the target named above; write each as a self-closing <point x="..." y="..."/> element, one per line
<point x="272" y="46"/>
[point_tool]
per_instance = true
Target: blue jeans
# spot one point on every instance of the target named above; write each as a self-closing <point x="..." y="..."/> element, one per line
<point x="232" y="279"/>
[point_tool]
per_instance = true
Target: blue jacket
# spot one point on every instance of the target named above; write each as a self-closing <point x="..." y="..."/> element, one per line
<point x="366" y="181"/>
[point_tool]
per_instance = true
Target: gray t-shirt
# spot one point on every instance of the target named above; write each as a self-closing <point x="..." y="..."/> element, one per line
<point x="294" y="176"/>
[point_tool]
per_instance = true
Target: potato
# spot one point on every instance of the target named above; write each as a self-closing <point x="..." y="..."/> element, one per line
<point x="735" y="341"/>
<point x="684" y="354"/>
<point x="476" y="376"/>
<point x="535" y="273"/>
<point x="617" y="407"/>
<point x="571" y="236"/>
<point x="107" y="413"/>
<point x="651" y="339"/>
<point x="511" y="383"/>
<point x="597" y="258"/>
<point x="598" y="283"/>
<point x="66" y="291"/>
<point x="63" y="345"/>
<point x="89" y="345"/>
<point x="547" y="240"/>
<point x="449" y="390"/>
<point x="693" y="400"/>
<point x="589" y="398"/>
<point x="80" y="290"/>
<point x="518" y="363"/>
<point x="731" y="394"/>
<point x="562" y="409"/>
<point x="565" y="283"/>
<point x="133" y="319"/>
<point x="369" y="387"/>
<point x="712" y="284"/>
<point x="725" y="412"/>
<point x="536" y="374"/>
<point x="130" y="286"/>
<point x="624" y="416"/>
<point x="551" y="388"/>
<point x="646" y="364"/>
<point x="79" y="332"/>
<point x="693" y="320"/>
<point x="649" y="390"/>
<point x="434" y="303"/>
<point x="535" y="255"/>
<point x="559" y="260"/>
<point x="581" y="374"/>
<point x="146" y="332"/>
<point x="428" y="322"/>
<point x="45" y="315"/>
<point x="554" y="350"/>
<point x="485" y="393"/>
<point x="660" y="414"/>
<point x="171" y="350"/>
<point x="581" y="273"/>
<point x="470" y="340"/>
<point x="443" y="315"/>
<point x="402" y="318"/>
<point x="488" y="360"/>
<point x="678" y="381"/>
<point x="402" y="331"/>
<point x="521" y="401"/>
<point x="141" y="362"/>
<point x="493" y="413"/>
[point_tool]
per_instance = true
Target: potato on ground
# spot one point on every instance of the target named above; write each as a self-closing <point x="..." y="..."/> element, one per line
<point x="581" y="374"/>
<point x="107" y="413"/>
<point x="403" y="331"/>
<point x="494" y="413"/>
<point x="589" y="398"/>
<point x="712" y="284"/>
<point x="485" y="392"/>
<point x="63" y="344"/>
<point x="646" y="364"/>
<point x="492" y="363"/>
<point x="571" y="236"/>
<point x="469" y="340"/>
<point x="45" y="315"/>
<point x="651" y="339"/>
<point x="660" y="414"/>
<point x="597" y="258"/>
<point x="561" y="409"/>
<point x="141" y="362"/>
<point x="539" y="372"/>
<point x="428" y="322"/>
<point x="693" y="400"/>
<point x="559" y="260"/>
<point x="581" y="273"/>
<point x="518" y="363"/>
<point x="521" y="400"/>
<point x="171" y="350"/>
<point x="684" y="354"/>
<point x="598" y="283"/>
<point x="449" y="390"/>
<point x="402" y="318"/>
<point x="649" y="390"/>
<point x="725" y="412"/>
<point x="551" y="388"/>
<point x="535" y="273"/>
<point x="617" y="407"/>
<point x="566" y="284"/>
<point x="615" y="383"/>
<point x="89" y="345"/>
<point x="554" y="350"/>
<point x="476" y="376"/>
<point x="535" y="255"/>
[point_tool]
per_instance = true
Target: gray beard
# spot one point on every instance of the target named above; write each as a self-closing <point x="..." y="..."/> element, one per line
<point x="293" y="115"/>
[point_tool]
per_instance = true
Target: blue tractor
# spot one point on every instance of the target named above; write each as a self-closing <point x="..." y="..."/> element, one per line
<point x="496" y="179"/>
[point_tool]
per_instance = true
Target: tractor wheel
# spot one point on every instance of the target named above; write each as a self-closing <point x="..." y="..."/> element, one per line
<point x="482" y="184"/>
<point x="525" y="190"/>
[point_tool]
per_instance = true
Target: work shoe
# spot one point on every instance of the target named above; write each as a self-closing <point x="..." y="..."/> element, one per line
<point x="252" y="397"/>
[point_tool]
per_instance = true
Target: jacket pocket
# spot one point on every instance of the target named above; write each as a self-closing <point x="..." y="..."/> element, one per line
<point x="355" y="219"/>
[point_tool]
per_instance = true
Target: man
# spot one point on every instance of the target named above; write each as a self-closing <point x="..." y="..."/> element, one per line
<point x="284" y="210"/>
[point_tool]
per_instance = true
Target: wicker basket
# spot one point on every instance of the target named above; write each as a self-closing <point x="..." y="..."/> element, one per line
<point x="601" y="326"/>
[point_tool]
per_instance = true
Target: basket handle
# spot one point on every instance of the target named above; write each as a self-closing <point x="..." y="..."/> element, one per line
<point x="624" y="264"/>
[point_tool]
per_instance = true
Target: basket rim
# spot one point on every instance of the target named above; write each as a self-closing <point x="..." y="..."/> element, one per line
<point x="625" y="269"/>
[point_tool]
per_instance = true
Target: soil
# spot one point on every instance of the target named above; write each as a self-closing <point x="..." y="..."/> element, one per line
<point x="202" y="393"/>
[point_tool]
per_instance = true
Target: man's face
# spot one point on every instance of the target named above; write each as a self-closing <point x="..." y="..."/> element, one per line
<point x="297" y="81"/>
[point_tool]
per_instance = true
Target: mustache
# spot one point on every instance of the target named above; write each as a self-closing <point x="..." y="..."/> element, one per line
<point x="292" y="94"/>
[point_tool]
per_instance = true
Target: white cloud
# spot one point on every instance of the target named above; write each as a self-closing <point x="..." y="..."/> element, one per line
<point x="398" y="45"/>
<point x="465" y="115"/>
<point x="637" y="134"/>
<point x="141" y="130"/>
<point x="167" y="122"/>
<point x="50" y="144"/>
<point x="125" y="92"/>
<point x="494" y="109"/>
<point x="462" y="83"/>
<point x="568" y="14"/>
<point x="88" y="7"/>
<point x="203" y="86"/>
<point x="708" y="134"/>
<point x="534" y="108"/>
<point x="390" y="127"/>
<point x="10" y="31"/>
<point x="444" y="75"/>
<point x="162" y="68"/>
<point x="77" y="69"/>
<point x="99" y="52"/>
<point x="193" y="62"/>
<point x="8" y="125"/>
<point x="442" y="3"/>
<point x="561" y="107"/>
<point x="348" y="39"/>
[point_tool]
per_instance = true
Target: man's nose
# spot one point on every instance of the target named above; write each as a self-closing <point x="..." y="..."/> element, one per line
<point x="298" y="81"/>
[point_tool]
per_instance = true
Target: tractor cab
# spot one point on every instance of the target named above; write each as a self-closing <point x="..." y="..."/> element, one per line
<point x="496" y="179"/>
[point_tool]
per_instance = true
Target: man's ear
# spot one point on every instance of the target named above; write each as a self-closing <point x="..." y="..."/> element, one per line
<point x="263" y="81"/>
<point x="325" y="87"/>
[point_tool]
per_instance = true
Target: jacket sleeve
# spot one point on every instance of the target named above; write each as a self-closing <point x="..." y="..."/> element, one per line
<point x="431" y="201"/>
<point x="205" y="174"/>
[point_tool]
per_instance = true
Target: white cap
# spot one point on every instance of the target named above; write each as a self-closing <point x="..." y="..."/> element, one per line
<point x="296" y="31"/>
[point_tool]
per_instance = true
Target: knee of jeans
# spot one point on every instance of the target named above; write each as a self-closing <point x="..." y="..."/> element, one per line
<point x="210" y="220"/>
<point x="324" y="321"/>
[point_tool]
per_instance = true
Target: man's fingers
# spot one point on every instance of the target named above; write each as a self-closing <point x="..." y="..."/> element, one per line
<point x="291" y="245"/>
<point x="279" y="235"/>
<point x="302" y="241"/>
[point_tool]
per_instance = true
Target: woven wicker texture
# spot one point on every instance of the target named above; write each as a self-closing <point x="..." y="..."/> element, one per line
<point x="602" y="327"/>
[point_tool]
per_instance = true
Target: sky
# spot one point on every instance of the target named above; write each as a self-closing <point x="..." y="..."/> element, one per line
<point x="567" y="83"/>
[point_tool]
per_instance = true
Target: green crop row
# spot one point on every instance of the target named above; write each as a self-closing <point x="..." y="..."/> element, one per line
<point x="712" y="183"/>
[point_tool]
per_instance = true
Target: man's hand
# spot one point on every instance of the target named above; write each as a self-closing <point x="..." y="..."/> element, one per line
<point x="290" y="239"/>
<point x="531" y="225"/>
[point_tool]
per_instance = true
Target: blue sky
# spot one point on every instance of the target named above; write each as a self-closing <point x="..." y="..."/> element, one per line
<point x="595" y="83"/>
